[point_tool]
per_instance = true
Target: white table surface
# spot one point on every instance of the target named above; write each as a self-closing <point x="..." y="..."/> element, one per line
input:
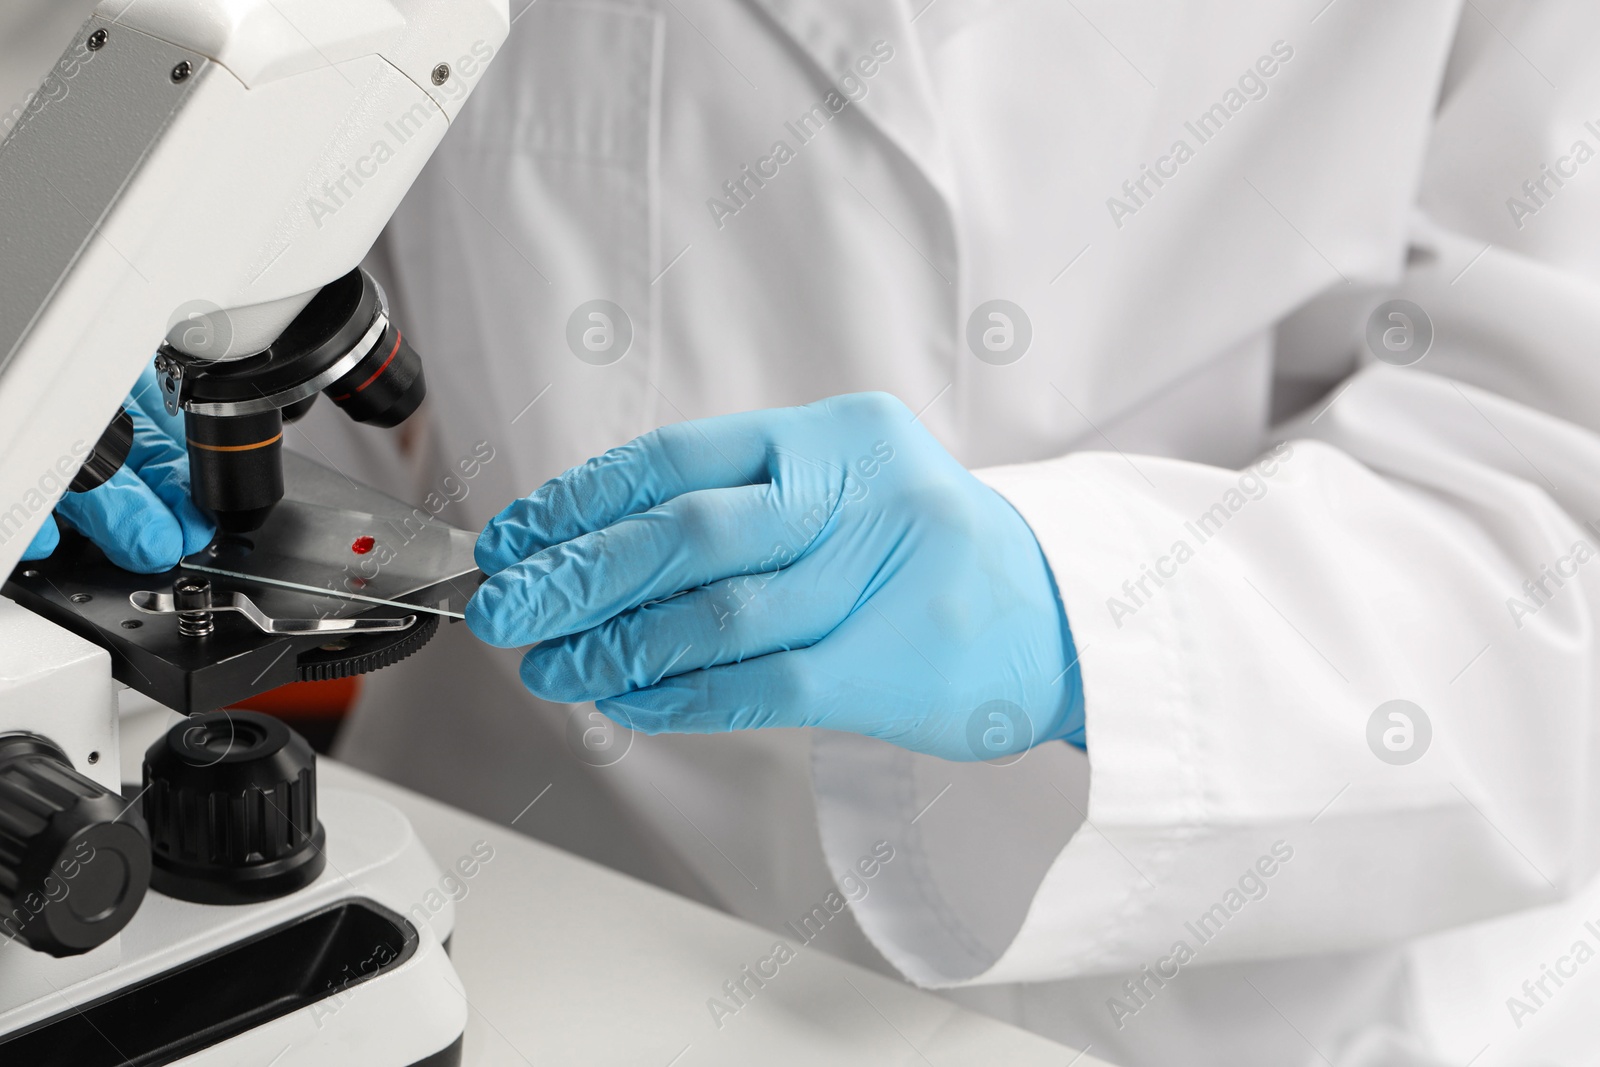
<point x="568" y="962"/>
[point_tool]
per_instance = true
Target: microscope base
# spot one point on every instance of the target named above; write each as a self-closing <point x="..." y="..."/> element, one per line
<point x="351" y="969"/>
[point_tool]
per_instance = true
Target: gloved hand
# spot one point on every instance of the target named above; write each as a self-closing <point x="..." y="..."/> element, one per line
<point x="142" y="517"/>
<point x="828" y="565"/>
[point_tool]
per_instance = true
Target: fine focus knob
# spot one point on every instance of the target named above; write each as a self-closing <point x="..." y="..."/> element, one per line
<point x="231" y="799"/>
<point x="74" y="858"/>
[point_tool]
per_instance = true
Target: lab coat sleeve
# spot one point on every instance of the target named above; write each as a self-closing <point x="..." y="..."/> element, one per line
<point x="1243" y="635"/>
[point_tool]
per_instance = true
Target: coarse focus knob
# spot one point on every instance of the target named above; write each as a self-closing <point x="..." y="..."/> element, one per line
<point x="231" y="799"/>
<point x="74" y="858"/>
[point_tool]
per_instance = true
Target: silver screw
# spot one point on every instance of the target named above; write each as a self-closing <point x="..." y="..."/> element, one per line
<point x="441" y="74"/>
<point x="97" y="40"/>
<point x="181" y="72"/>
<point x="192" y="598"/>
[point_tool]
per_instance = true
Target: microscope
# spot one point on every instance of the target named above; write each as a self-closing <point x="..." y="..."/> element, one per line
<point x="197" y="182"/>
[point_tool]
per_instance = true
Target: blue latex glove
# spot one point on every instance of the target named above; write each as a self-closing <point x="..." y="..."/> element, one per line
<point x="142" y="517"/>
<point x="837" y="569"/>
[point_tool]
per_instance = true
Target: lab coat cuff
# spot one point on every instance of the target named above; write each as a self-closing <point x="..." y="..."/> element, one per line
<point x="1131" y="648"/>
<point x="1094" y="908"/>
<point x="1094" y="896"/>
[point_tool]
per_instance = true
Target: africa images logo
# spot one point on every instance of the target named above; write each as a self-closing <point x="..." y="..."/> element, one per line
<point x="1140" y="190"/>
<point x="328" y="200"/>
<point x="850" y="88"/>
<point x="599" y="332"/>
<point x="999" y="332"/>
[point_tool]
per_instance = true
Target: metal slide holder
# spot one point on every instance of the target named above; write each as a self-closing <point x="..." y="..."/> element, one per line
<point x="194" y="620"/>
<point x="339" y="580"/>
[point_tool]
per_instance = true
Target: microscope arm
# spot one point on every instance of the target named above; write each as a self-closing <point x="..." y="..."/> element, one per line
<point x="195" y="171"/>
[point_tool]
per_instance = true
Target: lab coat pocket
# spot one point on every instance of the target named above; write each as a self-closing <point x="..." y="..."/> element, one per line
<point x="556" y="158"/>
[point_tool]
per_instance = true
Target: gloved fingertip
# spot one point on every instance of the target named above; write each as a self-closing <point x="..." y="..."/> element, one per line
<point x="628" y="710"/>
<point x="506" y="540"/>
<point x="195" y="539"/>
<point x="488" y="553"/>
<point x="520" y="530"/>
<point x="157" y="547"/>
<point x="481" y="617"/>
<point x="547" y="671"/>
<point x="649" y="711"/>
<point x="198" y="530"/>
<point x="498" y="619"/>
<point x="45" y="541"/>
<point x="618" y="712"/>
<point x="539" y="680"/>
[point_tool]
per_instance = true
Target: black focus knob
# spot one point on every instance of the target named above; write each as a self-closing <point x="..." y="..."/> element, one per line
<point x="74" y="859"/>
<point x="231" y="799"/>
<point x="107" y="456"/>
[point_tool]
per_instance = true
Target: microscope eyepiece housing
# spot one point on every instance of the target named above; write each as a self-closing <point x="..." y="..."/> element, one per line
<point x="342" y="345"/>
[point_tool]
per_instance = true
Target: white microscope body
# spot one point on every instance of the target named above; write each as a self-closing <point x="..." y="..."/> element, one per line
<point x="194" y="172"/>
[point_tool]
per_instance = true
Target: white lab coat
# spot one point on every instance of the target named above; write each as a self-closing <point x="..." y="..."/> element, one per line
<point x="1399" y="906"/>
